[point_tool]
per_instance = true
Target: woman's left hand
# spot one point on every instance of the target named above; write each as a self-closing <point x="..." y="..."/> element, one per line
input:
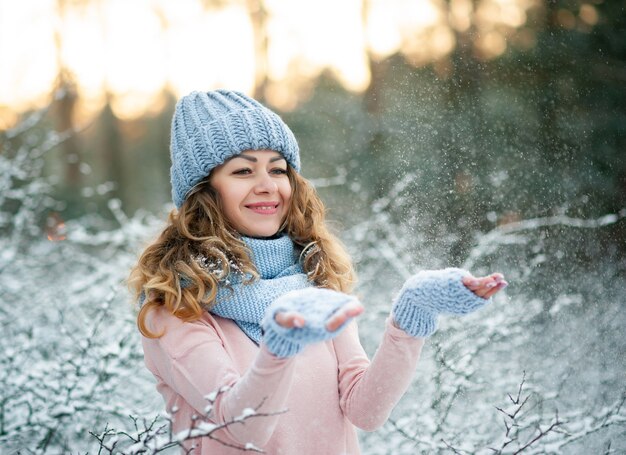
<point x="485" y="286"/>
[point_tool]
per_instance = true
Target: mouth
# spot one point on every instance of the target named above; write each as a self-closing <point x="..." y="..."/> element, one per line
<point x="264" y="208"/>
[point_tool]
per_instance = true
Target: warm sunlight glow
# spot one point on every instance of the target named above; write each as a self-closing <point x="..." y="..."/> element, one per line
<point x="491" y="44"/>
<point x="429" y="46"/>
<point x="511" y="13"/>
<point x="497" y="22"/>
<point x="383" y="36"/>
<point x="132" y="66"/>
<point x="589" y="14"/>
<point x="391" y="24"/>
<point x="208" y="49"/>
<point x="28" y="69"/>
<point x="309" y="37"/>
<point x="566" y="19"/>
<point x="129" y="53"/>
<point x="83" y="47"/>
<point x="460" y="14"/>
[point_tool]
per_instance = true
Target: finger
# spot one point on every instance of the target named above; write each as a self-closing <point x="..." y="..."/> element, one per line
<point x="501" y="285"/>
<point x="471" y="282"/>
<point x="290" y="319"/>
<point x="474" y="282"/>
<point x="481" y="284"/>
<point x="490" y="293"/>
<point x="491" y="281"/>
<point x="490" y="289"/>
<point x="337" y="319"/>
<point x="486" y="288"/>
<point x="498" y="277"/>
<point x="482" y="291"/>
<point x="494" y="279"/>
<point x="351" y="310"/>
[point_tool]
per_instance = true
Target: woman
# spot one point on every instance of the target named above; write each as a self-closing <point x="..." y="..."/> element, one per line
<point x="245" y="298"/>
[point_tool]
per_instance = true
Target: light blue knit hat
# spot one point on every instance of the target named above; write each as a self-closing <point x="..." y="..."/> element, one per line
<point x="210" y="127"/>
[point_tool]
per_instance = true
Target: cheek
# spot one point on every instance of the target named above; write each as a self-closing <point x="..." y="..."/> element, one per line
<point x="232" y="212"/>
<point x="285" y="192"/>
<point x="230" y="198"/>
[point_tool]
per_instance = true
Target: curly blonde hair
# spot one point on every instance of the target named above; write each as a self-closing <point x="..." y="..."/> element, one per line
<point x="200" y="244"/>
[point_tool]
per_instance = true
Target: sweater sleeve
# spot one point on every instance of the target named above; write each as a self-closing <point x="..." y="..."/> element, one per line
<point x="369" y="390"/>
<point x="192" y="361"/>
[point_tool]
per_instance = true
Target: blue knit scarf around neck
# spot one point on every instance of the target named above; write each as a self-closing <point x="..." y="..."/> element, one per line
<point x="279" y="272"/>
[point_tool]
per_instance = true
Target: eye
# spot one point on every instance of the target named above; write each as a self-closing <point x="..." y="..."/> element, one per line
<point x="279" y="171"/>
<point x="243" y="171"/>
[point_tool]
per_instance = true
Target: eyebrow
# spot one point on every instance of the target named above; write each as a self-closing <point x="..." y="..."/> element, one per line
<point x="254" y="160"/>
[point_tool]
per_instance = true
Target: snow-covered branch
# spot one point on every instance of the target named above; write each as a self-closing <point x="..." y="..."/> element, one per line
<point x="512" y="233"/>
<point x="157" y="435"/>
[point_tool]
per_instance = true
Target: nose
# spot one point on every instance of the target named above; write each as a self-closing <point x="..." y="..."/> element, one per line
<point x="265" y="184"/>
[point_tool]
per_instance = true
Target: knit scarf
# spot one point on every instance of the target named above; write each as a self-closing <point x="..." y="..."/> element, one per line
<point x="280" y="271"/>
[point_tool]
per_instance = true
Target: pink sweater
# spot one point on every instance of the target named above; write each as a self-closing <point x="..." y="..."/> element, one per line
<point x="326" y="390"/>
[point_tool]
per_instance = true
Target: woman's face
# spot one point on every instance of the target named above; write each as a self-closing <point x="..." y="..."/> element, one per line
<point x="254" y="190"/>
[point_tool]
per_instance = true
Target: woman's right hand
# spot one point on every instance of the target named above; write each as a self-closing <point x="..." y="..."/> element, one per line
<point x="293" y="319"/>
<point x="305" y="316"/>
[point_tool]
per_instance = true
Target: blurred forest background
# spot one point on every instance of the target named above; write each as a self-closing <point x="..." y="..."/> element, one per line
<point x="489" y="134"/>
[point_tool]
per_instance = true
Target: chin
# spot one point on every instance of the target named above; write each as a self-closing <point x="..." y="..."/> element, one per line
<point x="262" y="233"/>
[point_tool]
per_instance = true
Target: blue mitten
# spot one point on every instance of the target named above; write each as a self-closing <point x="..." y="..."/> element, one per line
<point x="429" y="293"/>
<point x="316" y="305"/>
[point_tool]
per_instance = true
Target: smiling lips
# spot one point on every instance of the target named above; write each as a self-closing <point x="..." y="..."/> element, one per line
<point x="263" y="208"/>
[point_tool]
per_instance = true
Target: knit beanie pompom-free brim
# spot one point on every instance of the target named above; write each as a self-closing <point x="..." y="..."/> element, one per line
<point x="208" y="128"/>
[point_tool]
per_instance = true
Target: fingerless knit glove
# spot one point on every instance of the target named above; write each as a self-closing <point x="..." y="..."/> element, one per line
<point x="316" y="305"/>
<point x="429" y="293"/>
